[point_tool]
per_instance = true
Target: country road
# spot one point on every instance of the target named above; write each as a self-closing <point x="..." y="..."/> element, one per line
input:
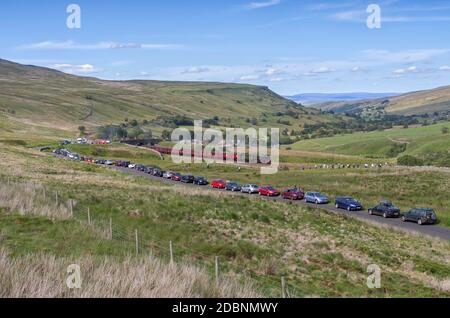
<point x="428" y="230"/>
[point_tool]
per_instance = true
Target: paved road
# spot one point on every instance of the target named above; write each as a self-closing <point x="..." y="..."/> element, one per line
<point x="429" y="230"/>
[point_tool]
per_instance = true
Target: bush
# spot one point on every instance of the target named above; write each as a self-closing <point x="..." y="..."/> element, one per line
<point x="409" y="161"/>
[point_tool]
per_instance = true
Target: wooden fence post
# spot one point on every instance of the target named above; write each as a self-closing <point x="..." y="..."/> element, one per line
<point x="110" y="229"/>
<point x="283" y="287"/>
<point x="137" y="241"/>
<point x="44" y="193"/>
<point x="71" y="207"/>
<point x="57" y="199"/>
<point x="89" y="216"/>
<point x="171" y="252"/>
<point x="217" y="268"/>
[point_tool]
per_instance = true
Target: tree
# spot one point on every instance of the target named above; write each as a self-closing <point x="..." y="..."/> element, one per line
<point x="166" y="135"/>
<point x="82" y="130"/>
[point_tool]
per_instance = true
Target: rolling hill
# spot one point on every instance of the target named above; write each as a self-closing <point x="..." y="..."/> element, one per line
<point x="423" y="142"/>
<point x="414" y="103"/>
<point x="42" y="97"/>
<point x="317" y="98"/>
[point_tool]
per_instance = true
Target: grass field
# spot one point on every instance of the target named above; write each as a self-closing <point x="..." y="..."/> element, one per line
<point x="407" y="187"/>
<point x="319" y="254"/>
<point x="419" y="141"/>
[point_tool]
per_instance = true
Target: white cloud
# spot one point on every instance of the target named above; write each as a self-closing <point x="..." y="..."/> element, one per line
<point x="320" y="70"/>
<point x="263" y="4"/>
<point x="71" y="45"/>
<point x="195" y="70"/>
<point x="249" y="77"/>
<point x="360" y="16"/>
<point x="82" y="69"/>
<point x="406" y="56"/>
<point x="411" y="69"/>
<point x="275" y="79"/>
<point x="444" y="68"/>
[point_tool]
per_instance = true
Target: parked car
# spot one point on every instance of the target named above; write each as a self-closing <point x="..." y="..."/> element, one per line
<point x="176" y="177"/>
<point x="109" y="162"/>
<point x="200" y="181"/>
<point x="316" y="197"/>
<point x="219" y="184"/>
<point x="348" y="203"/>
<point x="157" y="173"/>
<point x="168" y="175"/>
<point x="420" y="216"/>
<point x="187" y="179"/>
<point x="250" y="188"/>
<point x="293" y="194"/>
<point x="123" y="163"/>
<point x="140" y="167"/>
<point x="233" y="186"/>
<point x="385" y="209"/>
<point x="268" y="191"/>
<point x="132" y="166"/>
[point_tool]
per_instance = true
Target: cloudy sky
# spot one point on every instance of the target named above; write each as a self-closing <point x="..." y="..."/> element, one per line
<point x="292" y="46"/>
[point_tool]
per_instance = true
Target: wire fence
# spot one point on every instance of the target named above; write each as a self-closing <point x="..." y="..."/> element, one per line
<point x="171" y="252"/>
<point x="141" y="244"/>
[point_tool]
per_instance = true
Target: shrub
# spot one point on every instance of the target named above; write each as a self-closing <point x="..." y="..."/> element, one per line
<point x="409" y="161"/>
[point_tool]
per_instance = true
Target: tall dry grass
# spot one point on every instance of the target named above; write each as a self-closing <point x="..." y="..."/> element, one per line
<point x="43" y="276"/>
<point x="31" y="199"/>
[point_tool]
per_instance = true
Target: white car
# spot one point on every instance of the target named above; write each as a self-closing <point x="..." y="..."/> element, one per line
<point x="132" y="166"/>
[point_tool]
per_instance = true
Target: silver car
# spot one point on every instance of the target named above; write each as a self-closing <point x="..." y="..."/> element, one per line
<point x="167" y="175"/>
<point x="316" y="197"/>
<point x="250" y="188"/>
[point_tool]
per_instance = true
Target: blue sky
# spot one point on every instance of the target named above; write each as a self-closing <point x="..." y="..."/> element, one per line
<point x="292" y="46"/>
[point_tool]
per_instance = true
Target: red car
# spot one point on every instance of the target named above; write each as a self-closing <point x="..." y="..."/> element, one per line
<point x="176" y="177"/>
<point x="293" y="194"/>
<point x="269" y="191"/>
<point x="219" y="184"/>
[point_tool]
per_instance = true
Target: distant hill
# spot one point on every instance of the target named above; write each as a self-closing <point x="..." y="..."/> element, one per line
<point x="414" y="103"/>
<point x="40" y="96"/>
<point x="317" y="98"/>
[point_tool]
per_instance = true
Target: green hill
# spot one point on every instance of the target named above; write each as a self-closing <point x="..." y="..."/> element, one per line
<point x="416" y="141"/>
<point x="414" y="103"/>
<point x="44" y="97"/>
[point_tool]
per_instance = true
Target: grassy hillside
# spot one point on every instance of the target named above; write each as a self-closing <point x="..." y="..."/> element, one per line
<point x="319" y="254"/>
<point x="418" y="141"/>
<point x="415" y="103"/>
<point x="53" y="100"/>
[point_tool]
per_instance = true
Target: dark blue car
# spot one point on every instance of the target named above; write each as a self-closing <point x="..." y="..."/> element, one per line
<point x="348" y="204"/>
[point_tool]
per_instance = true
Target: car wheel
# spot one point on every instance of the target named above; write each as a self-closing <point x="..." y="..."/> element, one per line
<point x="337" y="206"/>
<point x="349" y="209"/>
<point x="370" y="212"/>
<point x="317" y="202"/>
<point x="420" y="222"/>
<point x="385" y="215"/>
<point x="403" y="219"/>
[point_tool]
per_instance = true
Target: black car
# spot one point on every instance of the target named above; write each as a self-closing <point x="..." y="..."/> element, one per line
<point x="158" y="173"/>
<point x="420" y="216"/>
<point x="385" y="209"/>
<point x="141" y="167"/>
<point x="233" y="186"/>
<point x="187" y="179"/>
<point x="200" y="181"/>
<point x="124" y="164"/>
